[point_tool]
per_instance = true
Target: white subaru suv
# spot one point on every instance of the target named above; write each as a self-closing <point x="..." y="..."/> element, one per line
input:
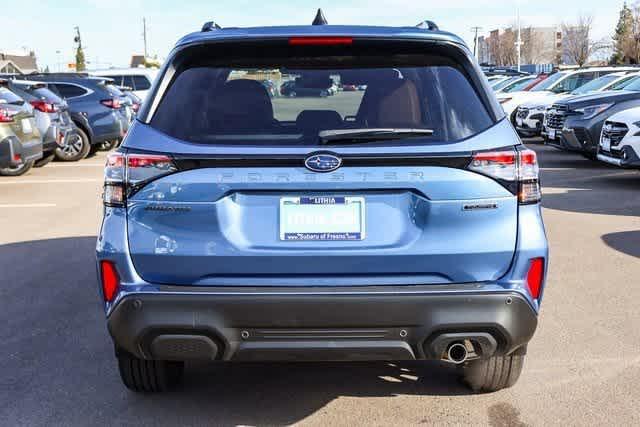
<point x="620" y="139"/>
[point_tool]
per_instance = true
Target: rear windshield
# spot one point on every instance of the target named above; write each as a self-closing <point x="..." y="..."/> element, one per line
<point x="282" y="103"/>
<point x="46" y="94"/>
<point x="8" y="97"/>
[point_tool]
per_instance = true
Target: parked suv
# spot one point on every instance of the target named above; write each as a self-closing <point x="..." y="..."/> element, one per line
<point x="530" y="116"/>
<point x="575" y="124"/>
<point x="52" y="118"/>
<point x="138" y="79"/>
<point x="561" y="82"/>
<point x="400" y="222"/>
<point x="92" y="97"/>
<point x="20" y="142"/>
<point x="620" y="139"/>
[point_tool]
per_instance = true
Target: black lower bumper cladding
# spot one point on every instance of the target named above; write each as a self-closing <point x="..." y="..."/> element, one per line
<point x="317" y="326"/>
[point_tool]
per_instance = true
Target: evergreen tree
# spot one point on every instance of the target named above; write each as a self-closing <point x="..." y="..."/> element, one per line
<point x="622" y="35"/>
<point x="80" y="64"/>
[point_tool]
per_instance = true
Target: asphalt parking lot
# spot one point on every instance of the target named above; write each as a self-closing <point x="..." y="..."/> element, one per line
<point x="583" y="366"/>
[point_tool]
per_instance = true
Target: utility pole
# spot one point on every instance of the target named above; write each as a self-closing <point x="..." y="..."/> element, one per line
<point x="519" y="40"/>
<point x="144" y="36"/>
<point x="475" y="40"/>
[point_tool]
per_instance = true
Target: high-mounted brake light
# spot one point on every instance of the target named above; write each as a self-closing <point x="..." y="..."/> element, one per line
<point x="125" y="173"/>
<point x="320" y="41"/>
<point x="110" y="280"/>
<point x="44" y="106"/>
<point x="535" y="277"/>
<point x="517" y="169"/>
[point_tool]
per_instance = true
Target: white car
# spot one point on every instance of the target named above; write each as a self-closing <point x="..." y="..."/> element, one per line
<point x="138" y="79"/>
<point x="620" y="139"/>
<point x="557" y="83"/>
<point x="529" y="116"/>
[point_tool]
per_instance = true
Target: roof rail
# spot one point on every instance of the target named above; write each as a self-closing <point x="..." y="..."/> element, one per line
<point x="428" y="25"/>
<point x="320" y="19"/>
<point x="210" y="26"/>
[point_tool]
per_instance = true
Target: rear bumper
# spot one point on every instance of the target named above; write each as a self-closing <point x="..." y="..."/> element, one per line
<point x="13" y="152"/>
<point x="378" y="323"/>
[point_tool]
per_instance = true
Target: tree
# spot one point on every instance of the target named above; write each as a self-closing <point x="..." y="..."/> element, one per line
<point x="80" y="62"/>
<point x="576" y="40"/>
<point x="622" y="35"/>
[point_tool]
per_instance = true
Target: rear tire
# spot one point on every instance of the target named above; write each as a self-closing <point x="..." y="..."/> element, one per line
<point x="494" y="373"/>
<point x="17" y="170"/>
<point x="149" y="376"/>
<point x="77" y="149"/>
<point x="44" y="161"/>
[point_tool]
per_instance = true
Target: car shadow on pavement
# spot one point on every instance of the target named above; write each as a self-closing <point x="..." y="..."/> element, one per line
<point x="59" y="365"/>
<point x="627" y="242"/>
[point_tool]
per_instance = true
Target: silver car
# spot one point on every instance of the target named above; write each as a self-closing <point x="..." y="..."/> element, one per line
<point x="51" y="115"/>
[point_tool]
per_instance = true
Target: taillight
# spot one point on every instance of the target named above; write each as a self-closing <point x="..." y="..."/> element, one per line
<point x="125" y="173"/>
<point x="44" y="106"/>
<point x="110" y="280"/>
<point x="516" y="169"/>
<point x="113" y="103"/>
<point x="5" y="116"/>
<point x="535" y="277"/>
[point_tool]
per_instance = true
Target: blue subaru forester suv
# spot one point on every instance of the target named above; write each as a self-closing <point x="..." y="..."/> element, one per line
<point x="399" y="220"/>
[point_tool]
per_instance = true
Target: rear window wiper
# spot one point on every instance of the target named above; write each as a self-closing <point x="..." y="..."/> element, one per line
<point x="355" y="136"/>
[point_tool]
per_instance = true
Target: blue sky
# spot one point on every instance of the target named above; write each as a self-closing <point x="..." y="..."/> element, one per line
<point x="112" y="29"/>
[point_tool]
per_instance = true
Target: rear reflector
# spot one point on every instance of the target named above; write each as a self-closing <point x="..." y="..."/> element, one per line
<point x="535" y="276"/>
<point x="110" y="280"/>
<point x="320" y="41"/>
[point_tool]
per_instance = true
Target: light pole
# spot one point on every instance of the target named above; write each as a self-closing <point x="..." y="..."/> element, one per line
<point x="519" y="39"/>
<point x="475" y="40"/>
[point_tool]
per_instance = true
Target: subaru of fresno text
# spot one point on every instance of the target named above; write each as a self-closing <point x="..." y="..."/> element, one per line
<point x="399" y="222"/>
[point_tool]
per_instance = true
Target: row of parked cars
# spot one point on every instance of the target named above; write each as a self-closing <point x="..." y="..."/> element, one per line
<point x="592" y="111"/>
<point x="65" y="116"/>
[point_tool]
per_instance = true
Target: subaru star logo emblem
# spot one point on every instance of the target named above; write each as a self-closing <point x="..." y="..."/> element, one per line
<point x="323" y="162"/>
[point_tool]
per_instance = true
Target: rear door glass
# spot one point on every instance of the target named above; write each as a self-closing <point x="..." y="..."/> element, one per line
<point x="70" y="91"/>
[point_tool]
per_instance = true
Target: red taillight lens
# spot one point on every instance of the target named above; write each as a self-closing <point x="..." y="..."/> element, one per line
<point x="320" y="41"/>
<point x="517" y="167"/>
<point x="110" y="280"/>
<point x="5" y="116"/>
<point x="124" y="173"/>
<point x="44" y="106"/>
<point x="535" y="276"/>
<point x="113" y="103"/>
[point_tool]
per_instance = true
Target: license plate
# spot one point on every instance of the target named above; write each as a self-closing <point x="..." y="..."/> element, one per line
<point x="314" y="218"/>
<point x="606" y="144"/>
<point x="552" y="134"/>
<point x="26" y="127"/>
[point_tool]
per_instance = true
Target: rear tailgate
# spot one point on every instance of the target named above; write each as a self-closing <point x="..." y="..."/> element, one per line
<point x="217" y="224"/>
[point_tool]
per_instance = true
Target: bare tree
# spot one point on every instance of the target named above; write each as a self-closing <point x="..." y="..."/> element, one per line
<point x="631" y="42"/>
<point x="576" y="40"/>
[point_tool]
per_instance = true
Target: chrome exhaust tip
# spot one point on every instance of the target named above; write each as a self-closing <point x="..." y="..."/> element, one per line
<point x="457" y="353"/>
